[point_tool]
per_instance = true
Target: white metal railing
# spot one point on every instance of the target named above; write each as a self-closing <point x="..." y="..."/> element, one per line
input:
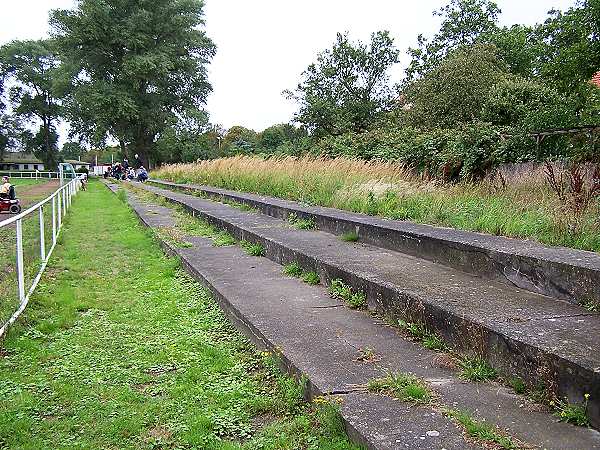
<point x="60" y="202"/>
<point x="36" y="174"/>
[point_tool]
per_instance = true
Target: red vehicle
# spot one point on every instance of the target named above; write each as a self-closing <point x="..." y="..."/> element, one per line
<point x="11" y="203"/>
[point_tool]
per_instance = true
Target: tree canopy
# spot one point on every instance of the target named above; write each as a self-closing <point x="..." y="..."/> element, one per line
<point x="30" y="67"/>
<point x="348" y="86"/>
<point x="134" y="67"/>
<point x="463" y="22"/>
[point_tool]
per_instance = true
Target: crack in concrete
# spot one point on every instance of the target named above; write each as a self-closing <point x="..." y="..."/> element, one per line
<point x="567" y="316"/>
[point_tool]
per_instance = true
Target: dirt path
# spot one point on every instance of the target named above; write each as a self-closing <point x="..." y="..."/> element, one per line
<point x="30" y="194"/>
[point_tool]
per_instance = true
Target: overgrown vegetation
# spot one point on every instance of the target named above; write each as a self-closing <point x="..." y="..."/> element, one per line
<point x="516" y="204"/>
<point x="195" y="383"/>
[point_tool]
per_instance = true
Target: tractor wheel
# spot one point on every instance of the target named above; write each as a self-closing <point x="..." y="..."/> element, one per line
<point x="15" y="209"/>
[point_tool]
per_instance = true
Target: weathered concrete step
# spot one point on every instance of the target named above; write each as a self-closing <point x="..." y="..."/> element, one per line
<point x="563" y="273"/>
<point x="520" y="333"/>
<point x="321" y="339"/>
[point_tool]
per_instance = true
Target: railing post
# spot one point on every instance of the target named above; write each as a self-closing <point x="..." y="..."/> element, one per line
<point x="20" y="270"/>
<point x="54" y="220"/>
<point x="60" y="203"/>
<point x="42" y="236"/>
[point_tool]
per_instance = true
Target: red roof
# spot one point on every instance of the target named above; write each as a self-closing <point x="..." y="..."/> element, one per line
<point x="596" y="79"/>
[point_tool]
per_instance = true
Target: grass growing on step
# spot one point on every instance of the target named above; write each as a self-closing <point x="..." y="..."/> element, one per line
<point x="575" y="414"/>
<point x="253" y="249"/>
<point x="420" y="332"/>
<point x="403" y="386"/>
<point x="301" y="224"/>
<point x="476" y="369"/>
<point x="121" y="349"/>
<point x="351" y="236"/>
<point x="592" y="306"/>
<point x="354" y="299"/>
<point x="293" y="270"/>
<point x="238" y="205"/>
<point x="481" y="431"/>
<point x="518" y="385"/>
<point x="223" y="239"/>
<point x="311" y="278"/>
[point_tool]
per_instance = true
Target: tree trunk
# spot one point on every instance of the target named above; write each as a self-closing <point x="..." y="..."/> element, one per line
<point x="141" y="147"/>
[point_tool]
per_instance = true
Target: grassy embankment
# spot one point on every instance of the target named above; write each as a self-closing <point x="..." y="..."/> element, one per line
<point x="120" y="349"/>
<point x="524" y="208"/>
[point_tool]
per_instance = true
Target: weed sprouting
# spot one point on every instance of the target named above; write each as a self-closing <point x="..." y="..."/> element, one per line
<point x="238" y="205"/>
<point x="223" y="239"/>
<point x="480" y="430"/>
<point x="367" y="355"/>
<point x="420" y="332"/>
<point x="357" y="300"/>
<point x="476" y="369"/>
<point x="354" y="299"/>
<point x="592" y="306"/>
<point x="253" y="249"/>
<point x="293" y="270"/>
<point x="311" y="278"/>
<point x="351" y="236"/>
<point x="518" y="385"/>
<point x="575" y="414"/>
<point x="301" y="224"/>
<point x="403" y="386"/>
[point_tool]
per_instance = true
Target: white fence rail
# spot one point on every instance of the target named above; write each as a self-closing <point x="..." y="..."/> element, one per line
<point x="36" y="174"/>
<point x="59" y="203"/>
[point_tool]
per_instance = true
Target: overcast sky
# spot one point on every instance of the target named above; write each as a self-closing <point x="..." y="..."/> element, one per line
<point x="264" y="45"/>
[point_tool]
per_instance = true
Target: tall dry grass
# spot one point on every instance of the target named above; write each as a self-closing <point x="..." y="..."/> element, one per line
<point x="517" y="204"/>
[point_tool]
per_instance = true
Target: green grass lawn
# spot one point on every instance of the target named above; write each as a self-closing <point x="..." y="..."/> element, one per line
<point x="120" y="349"/>
<point x="19" y="182"/>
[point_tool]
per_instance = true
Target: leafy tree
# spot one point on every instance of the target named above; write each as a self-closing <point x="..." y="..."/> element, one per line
<point x="518" y="47"/>
<point x="277" y="135"/>
<point x="527" y="105"/>
<point x="571" y="45"/>
<point x="240" y="139"/>
<point x="463" y="22"/>
<point x="455" y="91"/>
<point x="30" y="66"/>
<point x="72" y="150"/>
<point x="134" y="67"/>
<point x="347" y="88"/>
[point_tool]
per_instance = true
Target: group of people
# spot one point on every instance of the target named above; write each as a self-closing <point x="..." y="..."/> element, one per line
<point x="123" y="171"/>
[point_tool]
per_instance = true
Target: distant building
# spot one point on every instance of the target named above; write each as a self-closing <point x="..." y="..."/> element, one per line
<point x="28" y="162"/>
<point x="596" y="79"/>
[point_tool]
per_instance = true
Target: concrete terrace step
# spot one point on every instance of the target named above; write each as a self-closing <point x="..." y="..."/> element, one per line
<point x="320" y="339"/>
<point x="522" y="334"/>
<point x="558" y="272"/>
